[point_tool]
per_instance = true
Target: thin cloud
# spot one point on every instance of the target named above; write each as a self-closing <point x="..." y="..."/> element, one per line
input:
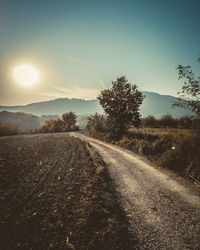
<point x="75" y="60"/>
<point x="83" y="93"/>
<point x="54" y="91"/>
<point x="70" y="58"/>
<point x="101" y="84"/>
<point x="71" y="92"/>
<point x="53" y="95"/>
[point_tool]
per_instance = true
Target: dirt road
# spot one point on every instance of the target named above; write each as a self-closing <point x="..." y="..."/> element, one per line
<point x="163" y="210"/>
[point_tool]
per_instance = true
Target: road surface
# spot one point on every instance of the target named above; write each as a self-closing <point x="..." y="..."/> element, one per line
<point x="163" y="209"/>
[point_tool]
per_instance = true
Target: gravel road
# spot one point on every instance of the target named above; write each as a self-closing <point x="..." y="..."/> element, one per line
<point x="163" y="209"/>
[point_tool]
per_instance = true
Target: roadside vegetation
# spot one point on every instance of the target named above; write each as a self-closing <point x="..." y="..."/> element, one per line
<point x="170" y="142"/>
<point x="175" y="148"/>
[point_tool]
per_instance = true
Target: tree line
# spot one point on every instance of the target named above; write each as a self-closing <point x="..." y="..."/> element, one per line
<point x="168" y="121"/>
<point x="66" y="124"/>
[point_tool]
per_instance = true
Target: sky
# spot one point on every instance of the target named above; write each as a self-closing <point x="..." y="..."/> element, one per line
<point x="80" y="47"/>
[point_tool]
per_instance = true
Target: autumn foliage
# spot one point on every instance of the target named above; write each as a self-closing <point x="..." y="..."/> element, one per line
<point x="67" y="123"/>
<point x="6" y="129"/>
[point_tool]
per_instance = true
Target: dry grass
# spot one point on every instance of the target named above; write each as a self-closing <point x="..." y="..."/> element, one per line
<point x="165" y="131"/>
<point x="176" y="149"/>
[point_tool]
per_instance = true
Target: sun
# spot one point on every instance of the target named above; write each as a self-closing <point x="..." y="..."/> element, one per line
<point x="26" y="75"/>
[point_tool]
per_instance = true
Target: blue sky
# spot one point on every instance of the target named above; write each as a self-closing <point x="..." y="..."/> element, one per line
<point x="79" y="46"/>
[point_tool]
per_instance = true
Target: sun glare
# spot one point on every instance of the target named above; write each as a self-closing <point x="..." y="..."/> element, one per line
<point x="26" y="75"/>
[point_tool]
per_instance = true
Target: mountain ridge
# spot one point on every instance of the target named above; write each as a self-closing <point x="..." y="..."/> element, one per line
<point x="153" y="104"/>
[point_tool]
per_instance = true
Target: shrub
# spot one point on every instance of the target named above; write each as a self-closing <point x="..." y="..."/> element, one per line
<point x="168" y="121"/>
<point x="150" y="122"/>
<point x="102" y="127"/>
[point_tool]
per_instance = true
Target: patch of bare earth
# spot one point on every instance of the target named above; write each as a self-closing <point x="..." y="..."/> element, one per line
<point x="56" y="193"/>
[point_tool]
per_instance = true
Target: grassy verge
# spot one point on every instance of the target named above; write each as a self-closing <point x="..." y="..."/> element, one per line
<point x="175" y="149"/>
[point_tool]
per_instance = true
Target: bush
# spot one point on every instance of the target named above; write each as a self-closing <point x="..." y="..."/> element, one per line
<point x="167" y="121"/>
<point x="150" y="122"/>
<point x="184" y="157"/>
<point x="102" y="127"/>
<point x="196" y="123"/>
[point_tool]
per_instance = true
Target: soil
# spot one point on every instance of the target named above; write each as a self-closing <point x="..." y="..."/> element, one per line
<point x="56" y="193"/>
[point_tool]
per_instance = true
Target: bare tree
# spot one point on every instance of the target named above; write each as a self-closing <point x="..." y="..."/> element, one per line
<point x="189" y="96"/>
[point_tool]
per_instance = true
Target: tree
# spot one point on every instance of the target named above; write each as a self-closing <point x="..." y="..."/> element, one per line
<point x="121" y="103"/>
<point x="69" y="120"/>
<point x="189" y="97"/>
<point x="150" y="122"/>
<point x="185" y="122"/>
<point x="58" y="125"/>
<point x="167" y="121"/>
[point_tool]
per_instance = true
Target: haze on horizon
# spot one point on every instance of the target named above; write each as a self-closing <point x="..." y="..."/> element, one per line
<point x="79" y="47"/>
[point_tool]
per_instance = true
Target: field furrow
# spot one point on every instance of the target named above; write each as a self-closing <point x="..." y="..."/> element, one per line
<point x="53" y="198"/>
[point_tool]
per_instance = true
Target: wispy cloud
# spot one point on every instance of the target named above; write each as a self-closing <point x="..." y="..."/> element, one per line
<point x="70" y="58"/>
<point x="101" y="84"/>
<point x="71" y="92"/>
<point x="83" y="93"/>
<point x="75" y="60"/>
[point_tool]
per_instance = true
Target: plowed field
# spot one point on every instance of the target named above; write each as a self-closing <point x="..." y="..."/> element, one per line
<point x="54" y="195"/>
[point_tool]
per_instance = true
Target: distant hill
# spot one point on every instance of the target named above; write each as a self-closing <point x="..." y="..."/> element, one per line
<point x="158" y="105"/>
<point x="24" y="121"/>
<point x="58" y="107"/>
<point x="20" y="120"/>
<point x="153" y="104"/>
